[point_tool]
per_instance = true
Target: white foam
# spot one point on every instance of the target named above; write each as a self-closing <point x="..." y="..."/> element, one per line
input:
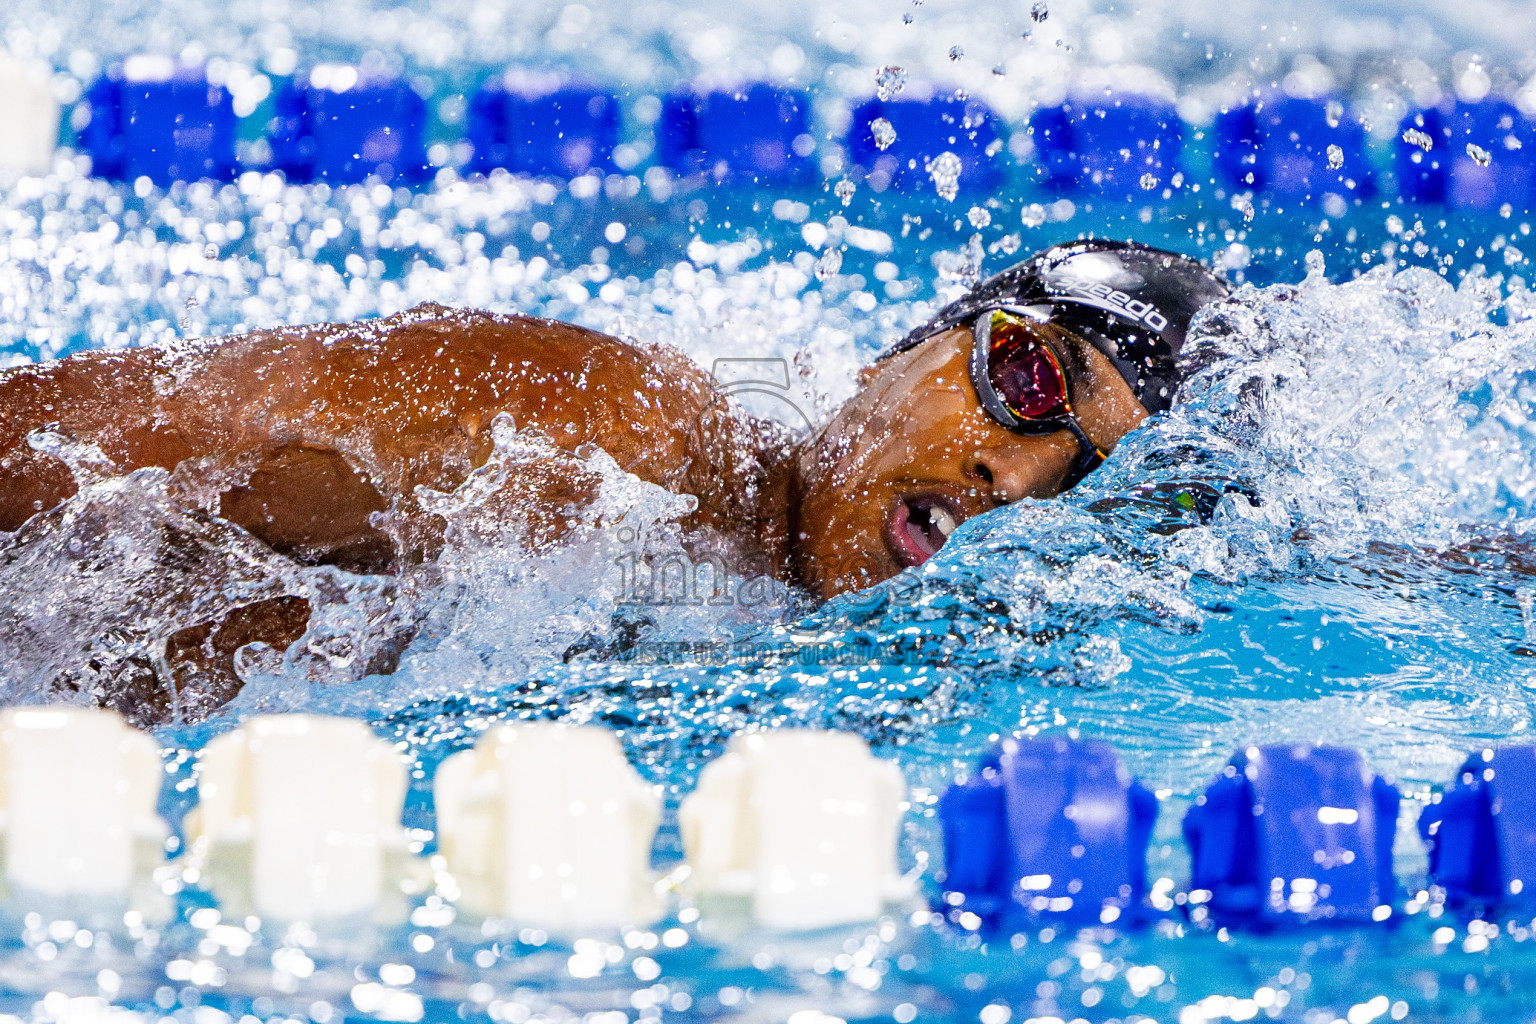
<point x="549" y="825"/>
<point x="78" y="789"/>
<point x="29" y="117"/>
<point x="299" y="817"/>
<point x="803" y="822"/>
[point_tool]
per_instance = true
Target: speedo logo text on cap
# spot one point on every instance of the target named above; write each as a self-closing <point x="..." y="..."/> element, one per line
<point x="1102" y="296"/>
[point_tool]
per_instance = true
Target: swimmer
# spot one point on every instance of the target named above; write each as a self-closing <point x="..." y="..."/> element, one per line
<point x="319" y="437"/>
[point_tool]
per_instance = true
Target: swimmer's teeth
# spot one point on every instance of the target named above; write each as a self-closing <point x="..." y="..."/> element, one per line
<point x="804" y="823"/>
<point x="299" y="818"/>
<point x="549" y="825"/>
<point x="79" y="808"/>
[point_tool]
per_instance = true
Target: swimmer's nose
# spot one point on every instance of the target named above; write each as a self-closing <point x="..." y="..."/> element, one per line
<point x="1027" y="470"/>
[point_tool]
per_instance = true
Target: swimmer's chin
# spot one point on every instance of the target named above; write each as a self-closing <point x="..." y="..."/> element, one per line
<point x="918" y="523"/>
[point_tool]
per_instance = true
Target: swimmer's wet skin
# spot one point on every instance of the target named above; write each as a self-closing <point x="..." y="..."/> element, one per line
<point x="314" y="440"/>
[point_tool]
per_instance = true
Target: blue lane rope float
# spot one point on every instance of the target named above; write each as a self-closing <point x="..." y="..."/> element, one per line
<point x="562" y="132"/>
<point x="759" y="134"/>
<point x="1481" y="833"/>
<point x="1293" y="149"/>
<point x="1053" y="827"/>
<point x="151" y="119"/>
<point x="1126" y="145"/>
<point x="910" y="144"/>
<point x="1293" y="833"/>
<point x="343" y="127"/>
<point x="1468" y="156"/>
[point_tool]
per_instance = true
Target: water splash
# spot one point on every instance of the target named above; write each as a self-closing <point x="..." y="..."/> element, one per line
<point x="890" y="79"/>
<point x="945" y="170"/>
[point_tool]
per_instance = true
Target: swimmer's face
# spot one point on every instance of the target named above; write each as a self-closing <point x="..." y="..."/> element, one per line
<point x="913" y="455"/>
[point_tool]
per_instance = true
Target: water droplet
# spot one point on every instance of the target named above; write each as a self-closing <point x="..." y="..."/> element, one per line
<point x="1243" y="204"/>
<point x="211" y="252"/>
<point x="883" y="131"/>
<point x="844" y="190"/>
<point x="1315" y="264"/>
<point x="962" y="266"/>
<point x="1334" y="112"/>
<point x="1039" y="11"/>
<point x="830" y="263"/>
<point x="999" y="70"/>
<point x="906" y="19"/>
<point x="1009" y="244"/>
<point x="956" y="52"/>
<point x="979" y="217"/>
<point x="1032" y="215"/>
<point x="1414" y="137"/>
<point x="1479" y="155"/>
<point x="945" y="170"/>
<point x="1149" y="181"/>
<point x="890" y="80"/>
<point x="1335" y="157"/>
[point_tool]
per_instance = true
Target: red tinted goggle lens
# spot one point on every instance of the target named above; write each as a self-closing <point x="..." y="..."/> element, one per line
<point x="1024" y="371"/>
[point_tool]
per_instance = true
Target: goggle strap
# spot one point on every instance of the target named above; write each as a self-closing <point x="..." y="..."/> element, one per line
<point x="1089" y="455"/>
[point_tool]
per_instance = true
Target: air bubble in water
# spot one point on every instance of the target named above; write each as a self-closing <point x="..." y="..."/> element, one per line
<point x="890" y="80"/>
<point x="979" y="217"/>
<point x="844" y="190"/>
<point x="945" y="170"/>
<point x="906" y="19"/>
<point x="1479" y="155"/>
<point x="956" y="52"/>
<point x="883" y="131"/>
<point x="1039" y="11"/>
<point x="830" y="263"/>
<point x="211" y="252"/>
<point x="1149" y="181"/>
<point x="1335" y="157"/>
<point x="1033" y="215"/>
<point x="1334" y="112"/>
<point x="1414" y="137"/>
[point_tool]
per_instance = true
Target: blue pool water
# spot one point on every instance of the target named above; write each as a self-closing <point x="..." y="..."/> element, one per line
<point x="1361" y="575"/>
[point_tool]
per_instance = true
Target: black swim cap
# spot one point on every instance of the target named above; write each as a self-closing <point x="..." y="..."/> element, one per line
<point x="1131" y="302"/>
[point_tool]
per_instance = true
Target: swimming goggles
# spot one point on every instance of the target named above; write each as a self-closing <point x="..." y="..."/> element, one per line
<point x="1022" y="385"/>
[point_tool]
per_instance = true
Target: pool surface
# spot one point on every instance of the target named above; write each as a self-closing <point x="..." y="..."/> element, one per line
<point x="1328" y="540"/>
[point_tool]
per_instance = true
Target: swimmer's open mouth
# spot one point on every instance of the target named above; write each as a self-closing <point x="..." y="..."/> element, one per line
<point x="917" y="525"/>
